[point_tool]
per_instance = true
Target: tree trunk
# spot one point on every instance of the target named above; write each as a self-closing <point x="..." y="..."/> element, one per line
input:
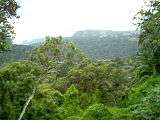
<point x="26" y="104"/>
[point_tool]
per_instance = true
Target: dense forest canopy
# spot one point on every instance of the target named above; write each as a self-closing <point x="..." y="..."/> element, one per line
<point x="56" y="80"/>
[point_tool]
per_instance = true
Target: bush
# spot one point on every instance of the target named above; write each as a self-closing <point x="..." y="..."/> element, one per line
<point x="144" y="100"/>
<point x="96" y="112"/>
<point x="149" y="106"/>
<point x="120" y="113"/>
<point x="71" y="105"/>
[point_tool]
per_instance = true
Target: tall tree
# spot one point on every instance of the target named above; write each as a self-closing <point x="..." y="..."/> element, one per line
<point x="56" y="56"/>
<point x="149" y="39"/>
<point x="8" y="11"/>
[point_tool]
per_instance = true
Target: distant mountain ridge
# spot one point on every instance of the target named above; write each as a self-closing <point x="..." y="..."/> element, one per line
<point x="102" y="33"/>
<point x="102" y="43"/>
<point x="107" y="43"/>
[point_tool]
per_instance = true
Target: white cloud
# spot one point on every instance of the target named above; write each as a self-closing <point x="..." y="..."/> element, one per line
<point x="63" y="17"/>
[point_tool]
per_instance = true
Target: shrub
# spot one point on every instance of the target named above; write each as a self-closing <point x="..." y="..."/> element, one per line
<point x="97" y="112"/>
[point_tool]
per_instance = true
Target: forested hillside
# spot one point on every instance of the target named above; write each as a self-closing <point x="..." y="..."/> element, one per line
<point x="16" y="52"/>
<point x="106" y="44"/>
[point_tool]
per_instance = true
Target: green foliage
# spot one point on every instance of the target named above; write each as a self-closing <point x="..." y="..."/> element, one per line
<point x="144" y="100"/>
<point x="91" y="77"/>
<point x="71" y="105"/>
<point x="149" y="106"/>
<point x="49" y="103"/>
<point x="149" y="35"/>
<point x="69" y="87"/>
<point x="73" y="87"/>
<point x="120" y="113"/>
<point x="141" y="90"/>
<point x="17" y="81"/>
<point x="8" y="9"/>
<point x="15" y="53"/>
<point x="56" y="56"/>
<point x="96" y="112"/>
<point x="45" y="104"/>
<point x="101" y="44"/>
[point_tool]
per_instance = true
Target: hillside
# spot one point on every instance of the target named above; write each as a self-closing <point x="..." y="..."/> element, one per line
<point x="106" y="44"/>
<point x="95" y="43"/>
<point x="17" y="52"/>
<point x="102" y="44"/>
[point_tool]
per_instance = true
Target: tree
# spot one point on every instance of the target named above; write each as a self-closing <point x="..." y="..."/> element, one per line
<point x="91" y="77"/>
<point x="149" y="39"/>
<point x="71" y="105"/>
<point x="56" y="56"/>
<point x="8" y="11"/>
<point x="45" y="104"/>
<point x="17" y="83"/>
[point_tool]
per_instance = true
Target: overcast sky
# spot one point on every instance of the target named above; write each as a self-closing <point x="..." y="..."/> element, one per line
<point x="40" y="18"/>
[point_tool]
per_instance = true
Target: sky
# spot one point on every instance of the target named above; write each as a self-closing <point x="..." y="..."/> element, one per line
<point x="40" y="18"/>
